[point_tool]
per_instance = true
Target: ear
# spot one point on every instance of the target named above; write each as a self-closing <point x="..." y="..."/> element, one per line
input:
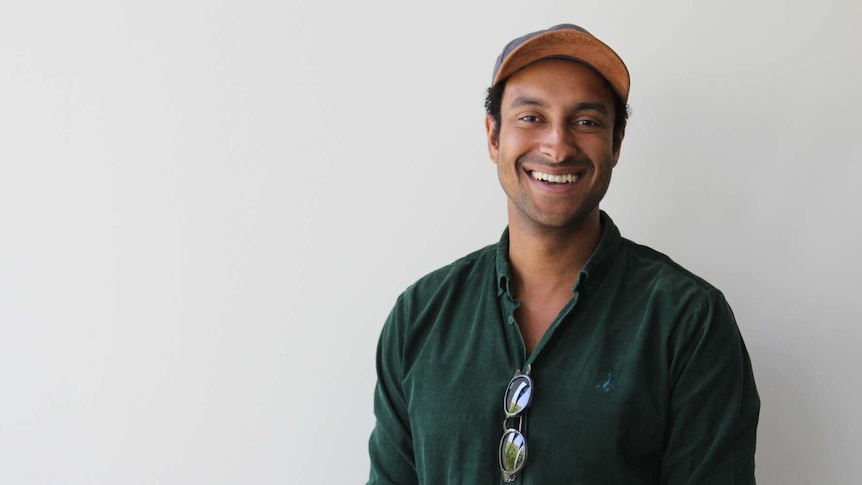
<point x="493" y="138"/>
<point x="618" y="145"/>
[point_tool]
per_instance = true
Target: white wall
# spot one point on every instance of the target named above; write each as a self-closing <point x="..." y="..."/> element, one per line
<point x="207" y="209"/>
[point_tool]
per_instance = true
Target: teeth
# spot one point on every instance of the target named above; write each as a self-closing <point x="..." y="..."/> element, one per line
<point x="556" y="179"/>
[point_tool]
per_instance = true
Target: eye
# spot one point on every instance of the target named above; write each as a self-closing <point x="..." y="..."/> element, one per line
<point x="529" y="118"/>
<point x="588" y="125"/>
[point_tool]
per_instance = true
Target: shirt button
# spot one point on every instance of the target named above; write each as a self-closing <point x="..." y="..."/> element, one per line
<point x="511" y="319"/>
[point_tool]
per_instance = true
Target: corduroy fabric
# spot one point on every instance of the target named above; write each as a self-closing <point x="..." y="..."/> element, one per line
<point x="643" y="378"/>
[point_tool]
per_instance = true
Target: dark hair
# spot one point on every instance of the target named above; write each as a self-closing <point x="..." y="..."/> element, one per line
<point x="494" y="101"/>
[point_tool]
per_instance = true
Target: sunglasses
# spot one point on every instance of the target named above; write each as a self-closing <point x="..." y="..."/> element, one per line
<point x="513" y="444"/>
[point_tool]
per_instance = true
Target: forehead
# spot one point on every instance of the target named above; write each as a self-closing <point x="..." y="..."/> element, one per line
<point x="558" y="81"/>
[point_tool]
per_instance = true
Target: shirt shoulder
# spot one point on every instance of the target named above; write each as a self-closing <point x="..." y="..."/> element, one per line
<point x="684" y="309"/>
<point x="650" y="282"/>
<point x="464" y="275"/>
<point x="442" y="299"/>
<point x="658" y="271"/>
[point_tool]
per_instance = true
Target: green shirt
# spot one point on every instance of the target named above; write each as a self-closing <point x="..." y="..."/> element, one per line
<point x="643" y="377"/>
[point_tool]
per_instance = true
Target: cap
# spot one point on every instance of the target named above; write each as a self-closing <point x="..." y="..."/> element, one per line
<point x="564" y="41"/>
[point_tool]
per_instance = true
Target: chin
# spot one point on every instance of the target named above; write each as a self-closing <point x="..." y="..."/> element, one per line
<point x="571" y="221"/>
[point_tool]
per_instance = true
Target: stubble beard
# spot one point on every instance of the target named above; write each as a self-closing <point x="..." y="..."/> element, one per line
<point x="522" y="206"/>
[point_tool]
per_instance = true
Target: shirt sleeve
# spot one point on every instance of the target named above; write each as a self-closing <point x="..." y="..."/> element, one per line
<point x="391" y="443"/>
<point x="714" y="405"/>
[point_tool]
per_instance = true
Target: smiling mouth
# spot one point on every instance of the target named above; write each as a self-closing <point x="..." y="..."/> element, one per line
<point x="554" y="179"/>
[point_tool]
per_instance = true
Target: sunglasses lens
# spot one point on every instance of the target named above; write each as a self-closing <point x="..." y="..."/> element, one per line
<point x="513" y="452"/>
<point x="518" y="395"/>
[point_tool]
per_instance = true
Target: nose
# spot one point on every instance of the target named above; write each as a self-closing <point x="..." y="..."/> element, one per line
<point x="558" y="142"/>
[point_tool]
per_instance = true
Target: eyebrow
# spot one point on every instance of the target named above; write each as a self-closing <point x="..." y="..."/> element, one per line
<point x="591" y="107"/>
<point x="526" y="101"/>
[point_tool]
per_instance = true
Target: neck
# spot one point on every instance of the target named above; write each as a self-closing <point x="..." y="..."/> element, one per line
<point x="546" y="259"/>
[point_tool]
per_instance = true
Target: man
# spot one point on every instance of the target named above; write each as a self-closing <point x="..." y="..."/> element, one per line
<point x="622" y="367"/>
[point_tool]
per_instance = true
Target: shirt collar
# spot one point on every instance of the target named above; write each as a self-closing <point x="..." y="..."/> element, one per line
<point x="504" y="277"/>
<point x="591" y="274"/>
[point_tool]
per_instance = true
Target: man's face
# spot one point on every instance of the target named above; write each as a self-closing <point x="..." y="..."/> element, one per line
<point x="555" y="150"/>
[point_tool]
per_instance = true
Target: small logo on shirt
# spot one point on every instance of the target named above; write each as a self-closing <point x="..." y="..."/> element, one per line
<point x="607" y="385"/>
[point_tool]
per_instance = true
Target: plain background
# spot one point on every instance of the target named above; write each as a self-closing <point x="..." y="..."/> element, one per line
<point x="207" y="209"/>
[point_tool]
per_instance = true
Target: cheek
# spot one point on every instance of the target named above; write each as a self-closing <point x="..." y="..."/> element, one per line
<point x="513" y="139"/>
<point x="602" y="151"/>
